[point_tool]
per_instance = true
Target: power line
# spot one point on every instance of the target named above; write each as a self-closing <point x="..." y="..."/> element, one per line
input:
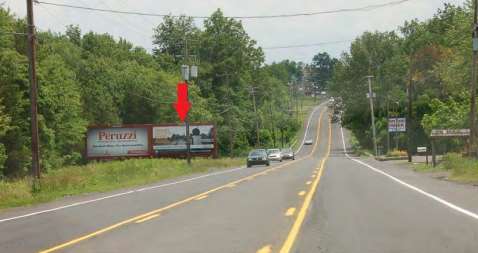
<point x="13" y="33"/>
<point x="308" y="45"/>
<point x="357" y="9"/>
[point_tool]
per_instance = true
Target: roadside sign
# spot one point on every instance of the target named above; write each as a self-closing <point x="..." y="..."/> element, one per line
<point x="114" y="142"/>
<point x="373" y="95"/>
<point x="450" y="133"/>
<point x="397" y="124"/>
<point x="401" y="124"/>
<point x="170" y="140"/>
<point x="392" y="124"/>
<point x="185" y="72"/>
<point x="421" y="149"/>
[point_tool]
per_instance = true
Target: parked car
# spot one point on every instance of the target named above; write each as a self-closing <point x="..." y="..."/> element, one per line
<point x="274" y="154"/>
<point x="288" y="153"/>
<point x="257" y="157"/>
<point x="308" y="142"/>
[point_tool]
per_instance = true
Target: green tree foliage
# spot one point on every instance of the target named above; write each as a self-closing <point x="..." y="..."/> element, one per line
<point x="431" y="58"/>
<point x="231" y="67"/>
<point x="90" y="78"/>
<point x="322" y="68"/>
<point x="4" y="126"/>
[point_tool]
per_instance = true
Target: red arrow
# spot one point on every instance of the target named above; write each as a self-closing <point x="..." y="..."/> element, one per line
<point x="182" y="104"/>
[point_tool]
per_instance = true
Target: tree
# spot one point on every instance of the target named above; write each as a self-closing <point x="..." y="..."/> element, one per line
<point x="87" y="79"/>
<point x="171" y="37"/>
<point x="322" y="68"/>
<point x="229" y="58"/>
<point x="427" y="58"/>
<point x="61" y="124"/>
<point x="4" y="127"/>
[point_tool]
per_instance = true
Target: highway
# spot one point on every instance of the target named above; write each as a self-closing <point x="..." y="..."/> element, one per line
<point x="324" y="201"/>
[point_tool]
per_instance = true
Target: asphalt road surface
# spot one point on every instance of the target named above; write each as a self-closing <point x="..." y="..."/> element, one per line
<point x="324" y="201"/>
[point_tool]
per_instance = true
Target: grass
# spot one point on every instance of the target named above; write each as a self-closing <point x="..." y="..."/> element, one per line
<point x="308" y="105"/>
<point x="397" y="153"/>
<point x="461" y="169"/>
<point x="422" y="167"/>
<point x="103" y="177"/>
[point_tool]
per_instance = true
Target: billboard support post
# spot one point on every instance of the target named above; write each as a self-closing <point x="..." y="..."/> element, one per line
<point x="188" y="141"/>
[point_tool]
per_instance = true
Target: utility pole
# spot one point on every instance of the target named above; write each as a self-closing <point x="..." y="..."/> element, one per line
<point x="253" y="92"/>
<point x="316" y="87"/>
<point x="410" y="112"/>
<point x="272" y="124"/>
<point x="370" y="95"/>
<point x="186" y="79"/>
<point x="33" y="91"/>
<point x="388" y="117"/>
<point x="473" y="128"/>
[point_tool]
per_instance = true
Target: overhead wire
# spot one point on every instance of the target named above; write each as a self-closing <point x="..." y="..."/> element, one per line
<point x="129" y="24"/>
<point x="308" y="45"/>
<point x="356" y="9"/>
<point x="14" y="33"/>
<point x="147" y="14"/>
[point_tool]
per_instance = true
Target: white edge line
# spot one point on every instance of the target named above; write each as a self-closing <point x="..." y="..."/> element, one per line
<point x="307" y="127"/>
<point x="118" y="195"/>
<point x="146" y="188"/>
<point x="434" y="197"/>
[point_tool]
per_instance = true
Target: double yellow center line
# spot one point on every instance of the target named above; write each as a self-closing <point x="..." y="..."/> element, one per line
<point x="181" y="202"/>
<point x="294" y="232"/>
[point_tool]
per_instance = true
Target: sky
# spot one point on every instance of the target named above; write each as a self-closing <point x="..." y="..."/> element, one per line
<point x="267" y="32"/>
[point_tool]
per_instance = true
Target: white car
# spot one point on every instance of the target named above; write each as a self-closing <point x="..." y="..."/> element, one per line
<point x="274" y="154"/>
<point x="308" y="142"/>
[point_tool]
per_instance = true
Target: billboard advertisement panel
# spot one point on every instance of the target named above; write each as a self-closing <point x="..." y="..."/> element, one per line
<point x="169" y="140"/>
<point x="397" y="124"/>
<point x="110" y="142"/>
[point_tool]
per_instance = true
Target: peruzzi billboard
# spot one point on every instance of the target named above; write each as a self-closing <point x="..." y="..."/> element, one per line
<point x="110" y="142"/>
<point x="117" y="142"/>
<point x="170" y="140"/>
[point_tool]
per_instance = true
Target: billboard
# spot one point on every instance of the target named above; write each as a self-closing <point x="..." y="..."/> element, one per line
<point x="397" y="125"/>
<point x="124" y="141"/>
<point x="450" y="133"/>
<point x="171" y="139"/>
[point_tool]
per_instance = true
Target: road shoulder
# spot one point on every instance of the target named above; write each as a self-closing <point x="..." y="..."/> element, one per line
<point x="463" y="195"/>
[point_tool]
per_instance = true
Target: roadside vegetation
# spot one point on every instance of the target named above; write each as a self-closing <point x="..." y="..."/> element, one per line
<point x="459" y="169"/>
<point x="356" y="148"/>
<point x="103" y="177"/>
<point x="86" y="78"/>
<point x="431" y="58"/>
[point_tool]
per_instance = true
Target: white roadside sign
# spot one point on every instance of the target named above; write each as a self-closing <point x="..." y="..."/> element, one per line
<point x="114" y="142"/>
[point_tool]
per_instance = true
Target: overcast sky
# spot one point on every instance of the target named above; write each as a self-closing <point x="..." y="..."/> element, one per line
<point x="267" y="32"/>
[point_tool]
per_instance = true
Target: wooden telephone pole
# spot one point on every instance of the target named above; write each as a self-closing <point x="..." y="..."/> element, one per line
<point x="33" y="91"/>
<point x="372" y="114"/>
<point x="473" y="127"/>
<point x="258" y="140"/>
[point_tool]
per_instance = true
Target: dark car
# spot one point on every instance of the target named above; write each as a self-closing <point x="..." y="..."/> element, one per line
<point x="257" y="157"/>
<point x="288" y="153"/>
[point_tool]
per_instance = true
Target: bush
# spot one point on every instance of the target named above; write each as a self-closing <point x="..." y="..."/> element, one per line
<point x="3" y="158"/>
<point x="462" y="169"/>
<point x="15" y="193"/>
<point x="397" y="153"/>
